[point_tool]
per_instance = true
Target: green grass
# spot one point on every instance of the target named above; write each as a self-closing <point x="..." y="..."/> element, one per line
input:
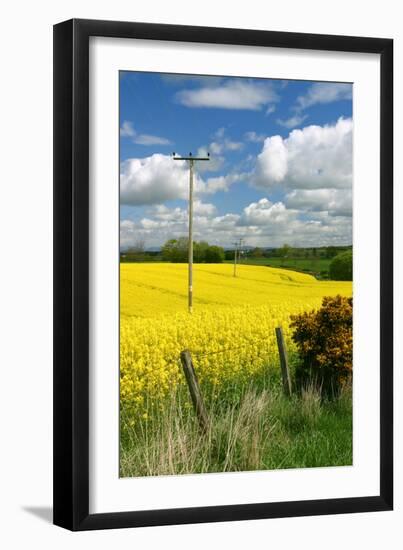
<point x="257" y="429"/>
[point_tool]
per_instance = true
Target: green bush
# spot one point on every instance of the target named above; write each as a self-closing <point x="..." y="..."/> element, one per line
<point x="324" y="340"/>
<point x="214" y="255"/>
<point x="341" y="267"/>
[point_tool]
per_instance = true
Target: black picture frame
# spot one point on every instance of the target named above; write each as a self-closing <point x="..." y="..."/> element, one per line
<point x="71" y="274"/>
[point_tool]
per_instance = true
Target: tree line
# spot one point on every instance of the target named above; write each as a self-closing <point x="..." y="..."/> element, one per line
<point x="177" y="250"/>
<point x="287" y="251"/>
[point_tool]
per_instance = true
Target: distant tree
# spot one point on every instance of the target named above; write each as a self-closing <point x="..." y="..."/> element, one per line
<point x="284" y="251"/>
<point x="135" y="252"/>
<point x="256" y="252"/>
<point x="175" y="250"/>
<point x="214" y="255"/>
<point x="229" y="255"/>
<point x="331" y="252"/>
<point x="341" y="267"/>
<point x="199" y="251"/>
<point x="168" y="249"/>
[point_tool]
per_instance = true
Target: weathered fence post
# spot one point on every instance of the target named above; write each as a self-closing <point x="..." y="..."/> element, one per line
<point x="194" y="388"/>
<point x="282" y="350"/>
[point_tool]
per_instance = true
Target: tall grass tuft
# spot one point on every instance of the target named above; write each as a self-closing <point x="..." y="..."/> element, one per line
<point x="261" y="430"/>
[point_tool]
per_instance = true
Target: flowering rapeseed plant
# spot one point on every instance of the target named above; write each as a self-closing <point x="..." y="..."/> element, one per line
<point x="230" y="334"/>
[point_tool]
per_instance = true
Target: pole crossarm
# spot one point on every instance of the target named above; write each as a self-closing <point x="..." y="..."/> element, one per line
<point x="191" y="158"/>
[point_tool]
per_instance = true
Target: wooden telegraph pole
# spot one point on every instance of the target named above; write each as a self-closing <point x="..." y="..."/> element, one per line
<point x="237" y="253"/>
<point x="191" y="160"/>
<point x="240" y="250"/>
<point x="235" y="256"/>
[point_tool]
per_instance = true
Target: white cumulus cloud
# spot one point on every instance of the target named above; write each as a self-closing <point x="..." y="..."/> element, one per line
<point x="127" y="130"/>
<point x="221" y="143"/>
<point x="337" y="202"/>
<point x="153" y="180"/>
<point x="324" y="92"/>
<point x="315" y="157"/>
<point x="293" y="121"/>
<point x="147" y="139"/>
<point x="220" y="183"/>
<point x="261" y="223"/>
<point x="264" y="213"/>
<point x="160" y="178"/>
<point x="254" y="137"/>
<point x="231" y="94"/>
<point x="128" y="233"/>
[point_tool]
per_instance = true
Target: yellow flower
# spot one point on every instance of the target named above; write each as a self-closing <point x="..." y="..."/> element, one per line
<point x="236" y="317"/>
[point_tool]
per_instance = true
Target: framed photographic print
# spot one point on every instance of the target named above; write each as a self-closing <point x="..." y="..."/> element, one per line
<point x="223" y="274"/>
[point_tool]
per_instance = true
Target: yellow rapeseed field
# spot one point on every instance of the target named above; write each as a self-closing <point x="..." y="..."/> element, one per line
<point x="230" y="333"/>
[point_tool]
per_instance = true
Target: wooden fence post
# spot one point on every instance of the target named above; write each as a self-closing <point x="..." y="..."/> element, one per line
<point x="194" y="388"/>
<point x="282" y="350"/>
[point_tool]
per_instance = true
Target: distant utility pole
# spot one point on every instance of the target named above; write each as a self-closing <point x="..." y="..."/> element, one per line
<point x="235" y="255"/>
<point x="191" y="160"/>
<point x="240" y="249"/>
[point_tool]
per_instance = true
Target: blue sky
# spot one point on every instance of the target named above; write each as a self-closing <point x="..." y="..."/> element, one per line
<point x="280" y="168"/>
